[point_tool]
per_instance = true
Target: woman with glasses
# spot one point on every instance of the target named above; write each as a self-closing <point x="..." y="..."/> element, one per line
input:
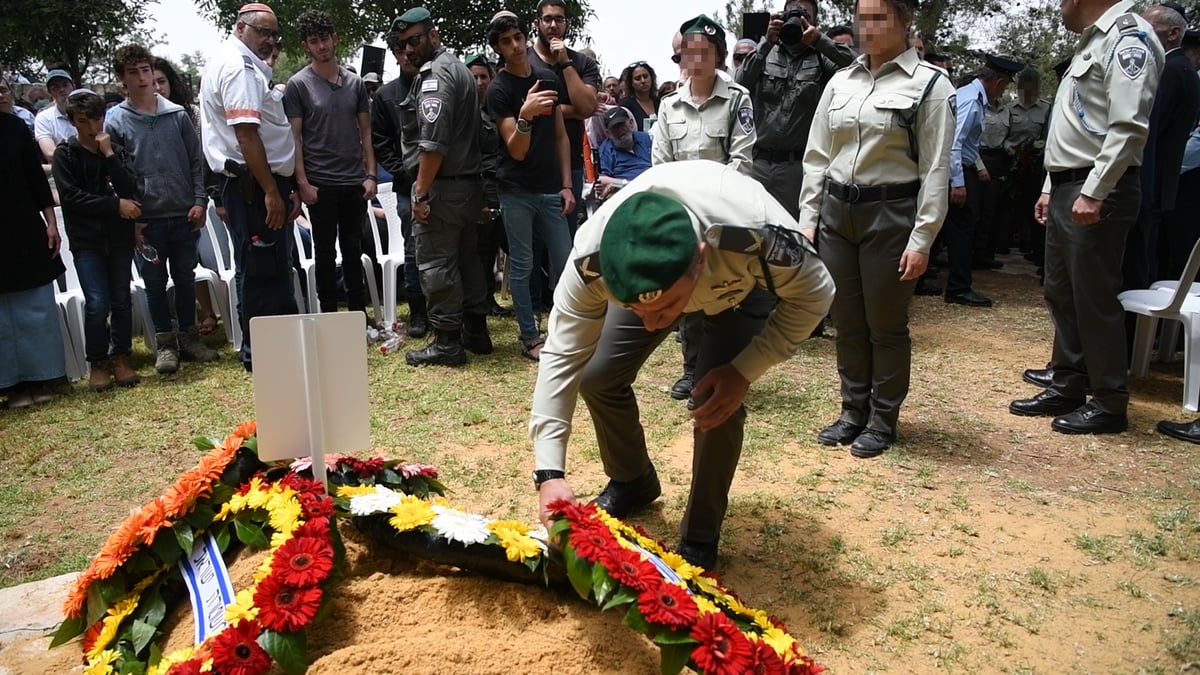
<point x="708" y="117"/>
<point x="641" y="85"/>
<point x="8" y="104"/>
<point x="876" y="174"/>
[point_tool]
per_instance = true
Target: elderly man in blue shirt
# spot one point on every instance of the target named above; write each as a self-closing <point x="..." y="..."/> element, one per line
<point x="966" y="174"/>
<point x="624" y="154"/>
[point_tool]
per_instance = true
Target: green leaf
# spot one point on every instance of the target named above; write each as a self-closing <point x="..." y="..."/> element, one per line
<point x="166" y="548"/>
<point x="287" y="649"/>
<point x="96" y="604"/>
<point x="623" y="596"/>
<point x="111" y="589"/>
<point x="558" y="529"/>
<point x="250" y="534"/>
<point x="635" y="620"/>
<point x="251" y="444"/>
<point x="67" y="631"/>
<point x="602" y="583"/>
<point x="579" y="571"/>
<point x="201" y="516"/>
<point x="674" y="658"/>
<point x="152" y="608"/>
<point x="221" y="532"/>
<point x="206" y="444"/>
<point x="221" y="493"/>
<point x="143" y="633"/>
<point x="141" y="564"/>
<point x="185" y="536"/>
<point x="672" y="637"/>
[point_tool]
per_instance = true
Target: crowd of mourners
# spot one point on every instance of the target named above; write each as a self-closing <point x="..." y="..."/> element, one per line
<point x="814" y="176"/>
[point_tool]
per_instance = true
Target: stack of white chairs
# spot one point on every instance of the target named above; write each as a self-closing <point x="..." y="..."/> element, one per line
<point x="390" y="259"/>
<point x="141" y="303"/>
<point x="225" y="288"/>
<point x="1169" y="300"/>
<point x="69" y="299"/>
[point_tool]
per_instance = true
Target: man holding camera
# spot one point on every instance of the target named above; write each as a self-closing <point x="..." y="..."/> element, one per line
<point x="786" y="76"/>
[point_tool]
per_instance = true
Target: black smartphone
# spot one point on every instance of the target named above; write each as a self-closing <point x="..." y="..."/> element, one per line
<point x="548" y="85"/>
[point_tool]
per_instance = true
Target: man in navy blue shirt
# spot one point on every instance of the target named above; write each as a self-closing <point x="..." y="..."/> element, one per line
<point x="624" y="154"/>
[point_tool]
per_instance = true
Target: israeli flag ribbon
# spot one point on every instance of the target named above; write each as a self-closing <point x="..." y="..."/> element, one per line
<point x="208" y="586"/>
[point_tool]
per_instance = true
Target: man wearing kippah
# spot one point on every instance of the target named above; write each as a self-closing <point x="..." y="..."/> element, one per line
<point x="693" y="236"/>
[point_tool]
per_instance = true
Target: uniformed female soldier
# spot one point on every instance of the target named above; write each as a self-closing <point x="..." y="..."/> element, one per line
<point x="709" y="117"/>
<point x="876" y="173"/>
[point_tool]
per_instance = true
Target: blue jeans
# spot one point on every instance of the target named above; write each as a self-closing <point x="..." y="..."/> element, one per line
<point x="524" y="213"/>
<point x="177" y="244"/>
<point x="105" y="279"/>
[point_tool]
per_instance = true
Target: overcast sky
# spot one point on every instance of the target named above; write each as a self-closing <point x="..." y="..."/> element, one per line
<point x="624" y="31"/>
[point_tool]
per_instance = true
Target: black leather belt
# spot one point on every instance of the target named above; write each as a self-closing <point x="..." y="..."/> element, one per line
<point x="1080" y="175"/>
<point x="857" y="194"/>
<point x="778" y="155"/>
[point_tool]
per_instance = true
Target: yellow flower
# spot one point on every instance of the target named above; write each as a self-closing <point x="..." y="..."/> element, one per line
<point x="704" y="605"/>
<point x="108" y="632"/>
<point x="518" y="547"/>
<point x="411" y="513"/>
<point x="511" y="525"/>
<point x="101" y="663"/>
<point x="685" y="570"/>
<point x="171" y="659"/>
<point x="241" y="608"/>
<point x="762" y="620"/>
<point x="778" y="640"/>
<point x="350" y="491"/>
<point x="708" y="586"/>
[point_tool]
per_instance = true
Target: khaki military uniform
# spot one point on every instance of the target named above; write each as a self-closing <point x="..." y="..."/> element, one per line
<point x="996" y="199"/>
<point x="1097" y="131"/>
<point x="786" y="85"/>
<point x="720" y="129"/>
<point x="1025" y="143"/>
<point x="873" y="191"/>
<point x="595" y="346"/>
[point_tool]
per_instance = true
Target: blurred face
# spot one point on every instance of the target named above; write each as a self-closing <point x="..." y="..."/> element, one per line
<point x="740" y="52"/>
<point x="6" y="98"/>
<point x="511" y="46"/>
<point x="320" y="48"/>
<point x="613" y="86"/>
<point x="846" y="39"/>
<point x="641" y="80"/>
<point x="621" y="134"/>
<point x="666" y="309"/>
<point x="418" y="44"/>
<point x="880" y="27"/>
<point x="482" y="79"/>
<point x="138" y="79"/>
<point x="59" y="88"/>
<point x="259" y="32"/>
<point x="1029" y="90"/>
<point x="1072" y="15"/>
<point x="995" y="88"/>
<point x="551" y="24"/>
<point x="402" y="61"/>
<point x="270" y="60"/>
<point x="162" y="86"/>
<point x="699" y="56"/>
<point x="87" y="127"/>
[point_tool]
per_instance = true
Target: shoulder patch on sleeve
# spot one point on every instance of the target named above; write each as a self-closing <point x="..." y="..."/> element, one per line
<point x="429" y="85"/>
<point x="746" y="119"/>
<point x="1126" y="22"/>
<point x="431" y="109"/>
<point x="588" y="267"/>
<point x="247" y="62"/>
<point x="1132" y="60"/>
<point x="785" y="247"/>
<point x="735" y="239"/>
<point x="953" y="103"/>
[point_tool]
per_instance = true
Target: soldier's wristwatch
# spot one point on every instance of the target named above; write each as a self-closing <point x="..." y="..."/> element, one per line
<point x="523" y="126"/>
<point x="542" y="475"/>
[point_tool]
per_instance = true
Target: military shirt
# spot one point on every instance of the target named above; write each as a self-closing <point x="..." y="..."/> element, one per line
<point x="1102" y="109"/>
<point x="968" y="130"/>
<point x="995" y="127"/>
<point x="786" y="86"/>
<point x="721" y="128"/>
<point x="1026" y="125"/>
<point x="718" y="198"/>
<point x="858" y="138"/>
<point x="447" y="106"/>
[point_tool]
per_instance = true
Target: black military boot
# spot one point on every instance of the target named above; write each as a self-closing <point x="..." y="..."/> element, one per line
<point x="418" y="319"/>
<point x="475" y="335"/>
<point x="445" y="350"/>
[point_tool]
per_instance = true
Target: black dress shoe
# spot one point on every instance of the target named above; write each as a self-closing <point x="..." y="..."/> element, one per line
<point x="700" y="554"/>
<point x="622" y="498"/>
<point x="927" y="288"/>
<point x="986" y="264"/>
<point x="1090" y="420"/>
<point x="871" y="443"/>
<point x="840" y="432"/>
<point x="1184" y="431"/>
<point x="1044" y="404"/>
<point x="682" y="387"/>
<point x="1039" y="377"/>
<point x="968" y="298"/>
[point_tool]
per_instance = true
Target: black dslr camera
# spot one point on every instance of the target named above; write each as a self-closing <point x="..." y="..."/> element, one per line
<point x="793" y="26"/>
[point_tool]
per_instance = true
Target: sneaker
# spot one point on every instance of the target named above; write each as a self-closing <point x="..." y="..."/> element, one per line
<point x="41" y="394"/>
<point x="123" y="373"/>
<point x="19" y="399"/>
<point x="167" y="359"/>
<point x="191" y="348"/>
<point x="101" y="378"/>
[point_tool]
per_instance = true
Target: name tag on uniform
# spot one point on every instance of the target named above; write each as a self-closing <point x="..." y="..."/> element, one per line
<point x="429" y="85"/>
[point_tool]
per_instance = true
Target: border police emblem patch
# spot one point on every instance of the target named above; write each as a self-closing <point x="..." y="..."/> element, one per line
<point x="746" y="119"/>
<point x="953" y="103"/>
<point x="431" y="109"/>
<point x="1133" y="60"/>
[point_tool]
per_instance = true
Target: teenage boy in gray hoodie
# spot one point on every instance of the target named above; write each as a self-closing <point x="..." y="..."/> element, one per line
<point x="166" y="156"/>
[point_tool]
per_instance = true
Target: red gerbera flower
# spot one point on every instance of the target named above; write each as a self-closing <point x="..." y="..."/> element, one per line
<point x="668" y="605"/>
<point x="723" y="649"/>
<point x="316" y="506"/>
<point x="304" y="485"/>
<point x="189" y="667"/>
<point x="283" y="608"/>
<point x="806" y="666"/>
<point x="315" y="527"/>
<point x="629" y="568"/>
<point x="591" y="541"/>
<point x="89" y="638"/>
<point x="235" y="651"/>
<point x="303" y="561"/>
<point x="765" y="661"/>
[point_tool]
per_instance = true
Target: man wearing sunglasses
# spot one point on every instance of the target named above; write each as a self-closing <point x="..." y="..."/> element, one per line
<point x="580" y="75"/>
<point x="447" y="195"/>
<point x="786" y="75"/>
<point x="248" y="143"/>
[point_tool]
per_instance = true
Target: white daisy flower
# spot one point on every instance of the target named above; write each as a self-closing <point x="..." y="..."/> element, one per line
<point x="381" y="501"/>
<point x="455" y="525"/>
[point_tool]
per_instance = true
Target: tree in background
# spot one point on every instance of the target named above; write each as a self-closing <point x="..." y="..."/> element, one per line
<point x="78" y="33"/>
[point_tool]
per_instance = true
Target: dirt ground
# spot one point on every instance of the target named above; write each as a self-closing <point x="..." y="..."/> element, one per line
<point x="982" y="542"/>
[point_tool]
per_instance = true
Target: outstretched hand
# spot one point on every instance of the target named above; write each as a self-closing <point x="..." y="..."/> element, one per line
<point x="552" y="491"/>
<point x="723" y="389"/>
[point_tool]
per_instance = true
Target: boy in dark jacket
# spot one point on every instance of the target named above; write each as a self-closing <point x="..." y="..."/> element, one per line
<point x="97" y="193"/>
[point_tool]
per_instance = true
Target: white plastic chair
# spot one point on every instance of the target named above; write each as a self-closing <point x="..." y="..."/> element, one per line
<point x="141" y="303"/>
<point x="1153" y="304"/>
<point x="70" y="308"/>
<point x="226" y="290"/>
<point x="392" y="259"/>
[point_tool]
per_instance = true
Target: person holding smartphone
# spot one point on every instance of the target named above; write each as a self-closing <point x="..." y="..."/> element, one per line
<point x="535" y="167"/>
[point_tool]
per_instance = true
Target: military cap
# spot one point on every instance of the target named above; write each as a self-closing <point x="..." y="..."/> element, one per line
<point x="371" y="78"/>
<point x="58" y="73"/>
<point x="648" y="244"/>
<point x="476" y="59"/>
<point x="702" y="25"/>
<point x="1004" y="65"/>
<point x="412" y="17"/>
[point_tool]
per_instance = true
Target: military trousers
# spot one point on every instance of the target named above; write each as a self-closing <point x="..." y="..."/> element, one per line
<point x="1083" y="278"/>
<point x="447" y="253"/>
<point x="782" y="180"/>
<point x="607" y="390"/>
<point x="861" y="245"/>
<point x="959" y="234"/>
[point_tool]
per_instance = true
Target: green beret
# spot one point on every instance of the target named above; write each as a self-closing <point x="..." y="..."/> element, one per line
<point x="702" y="25"/>
<point x="648" y="244"/>
<point x="412" y="17"/>
<point x="473" y="59"/>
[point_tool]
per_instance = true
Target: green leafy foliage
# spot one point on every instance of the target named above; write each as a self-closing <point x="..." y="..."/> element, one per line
<point x="675" y="657"/>
<point x="287" y="649"/>
<point x="250" y="533"/>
